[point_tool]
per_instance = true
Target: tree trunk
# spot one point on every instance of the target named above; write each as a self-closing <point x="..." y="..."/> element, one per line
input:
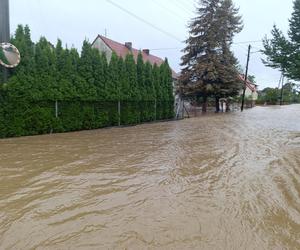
<point x="217" y="104"/>
<point x="227" y="106"/>
<point x="204" y="104"/>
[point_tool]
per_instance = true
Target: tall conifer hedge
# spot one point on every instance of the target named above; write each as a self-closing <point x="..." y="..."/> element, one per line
<point x="85" y="89"/>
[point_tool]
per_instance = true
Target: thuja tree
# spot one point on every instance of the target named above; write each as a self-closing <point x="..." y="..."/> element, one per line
<point x="131" y="95"/>
<point x="149" y="98"/>
<point x="167" y="90"/>
<point x="209" y="66"/>
<point x="158" y="92"/>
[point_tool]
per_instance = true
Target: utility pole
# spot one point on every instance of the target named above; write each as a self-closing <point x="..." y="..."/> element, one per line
<point x="246" y="78"/>
<point x="4" y="29"/>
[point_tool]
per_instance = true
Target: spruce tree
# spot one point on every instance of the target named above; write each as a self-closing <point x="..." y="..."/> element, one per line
<point x="209" y="65"/>
<point x="200" y="53"/>
<point x="231" y="23"/>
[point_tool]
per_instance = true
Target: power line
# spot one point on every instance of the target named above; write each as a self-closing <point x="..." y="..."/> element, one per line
<point x="143" y="20"/>
<point x="167" y="48"/>
<point x="236" y="43"/>
<point x="182" y="7"/>
<point x="191" y="3"/>
<point x="255" y="41"/>
<point x="258" y="51"/>
<point x="241" y="46"/>
<point x="169" y="10"/>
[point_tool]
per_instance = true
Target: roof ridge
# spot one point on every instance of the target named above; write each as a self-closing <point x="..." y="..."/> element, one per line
<point x="139" y="50"/>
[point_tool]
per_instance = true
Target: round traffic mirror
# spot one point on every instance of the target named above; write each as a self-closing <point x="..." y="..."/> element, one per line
<point x="9" y="55"/>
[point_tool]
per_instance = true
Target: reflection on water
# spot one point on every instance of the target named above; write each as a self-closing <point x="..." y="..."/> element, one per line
<point x="228" y="181"/>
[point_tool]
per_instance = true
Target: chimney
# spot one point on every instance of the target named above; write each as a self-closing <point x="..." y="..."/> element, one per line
<point x="146" y="51"/>
<point x="128" y="45"/>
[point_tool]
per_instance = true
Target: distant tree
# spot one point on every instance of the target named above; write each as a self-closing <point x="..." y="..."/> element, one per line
<point x="271" y="96"/>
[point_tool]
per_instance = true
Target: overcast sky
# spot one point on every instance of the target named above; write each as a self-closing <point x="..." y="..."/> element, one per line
<point x="74" y="20"/>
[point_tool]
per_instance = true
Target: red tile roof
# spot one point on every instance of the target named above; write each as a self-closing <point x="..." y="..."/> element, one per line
<point x="249" y="84"/>
<point x="121" y="50"/>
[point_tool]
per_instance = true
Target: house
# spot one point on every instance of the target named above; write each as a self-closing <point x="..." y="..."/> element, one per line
<point x="108" y="46"/>
<point x="251" y="93"/>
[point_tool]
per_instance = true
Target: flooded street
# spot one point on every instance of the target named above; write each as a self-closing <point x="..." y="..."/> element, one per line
<point x="227" y="181"/>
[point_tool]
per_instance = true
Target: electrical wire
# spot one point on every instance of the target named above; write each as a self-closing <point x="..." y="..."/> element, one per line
<point x="254" y="41"/>
<point x="182" y="7"/>
<point x="143" y="20"/>
<point x="236" y="43"/>
<point x="168" y="10"/>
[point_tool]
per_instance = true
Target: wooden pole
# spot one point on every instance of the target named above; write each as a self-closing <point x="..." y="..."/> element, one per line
<point x="246" y="78"/>
<point x="4" y="21"/>
<point x="4" y="29"/>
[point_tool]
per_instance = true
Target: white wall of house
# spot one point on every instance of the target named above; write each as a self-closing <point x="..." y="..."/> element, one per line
<point x="251" y="95"/>
<point x="102" y="47"/>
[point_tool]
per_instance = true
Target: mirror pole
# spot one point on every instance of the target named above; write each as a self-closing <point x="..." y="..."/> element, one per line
<point x="4" y="30"/>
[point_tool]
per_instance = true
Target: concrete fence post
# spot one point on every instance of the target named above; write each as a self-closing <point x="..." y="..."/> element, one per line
<point x="56" y="109"/>
<point x="119" y="113"/>
<point x="155" y="110"/>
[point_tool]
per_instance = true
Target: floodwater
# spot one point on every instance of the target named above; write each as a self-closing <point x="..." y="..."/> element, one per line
<point x="227" y="181"/>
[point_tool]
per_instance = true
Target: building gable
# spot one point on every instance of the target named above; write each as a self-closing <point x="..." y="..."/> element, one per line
<point x="108" y="46"/>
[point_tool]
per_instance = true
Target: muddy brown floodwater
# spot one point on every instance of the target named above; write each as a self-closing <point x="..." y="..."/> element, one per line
<point x="228" y="181"/>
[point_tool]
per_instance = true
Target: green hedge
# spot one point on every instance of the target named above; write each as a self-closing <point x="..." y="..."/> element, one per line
<point x="86" y="87"/>
<point x="21" y="119"/>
